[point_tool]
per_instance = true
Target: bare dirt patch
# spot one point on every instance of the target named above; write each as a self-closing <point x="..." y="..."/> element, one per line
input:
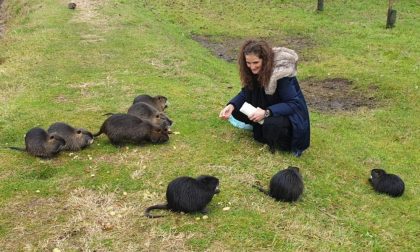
<point x="227" y="48"/>
<point x="87" y="11"/>
<point x="337" y="94"/>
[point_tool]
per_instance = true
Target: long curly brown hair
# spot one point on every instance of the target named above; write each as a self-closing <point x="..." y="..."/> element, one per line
<point x="262" y="50"/>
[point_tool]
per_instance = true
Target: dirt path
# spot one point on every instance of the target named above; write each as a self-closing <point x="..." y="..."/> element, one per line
<point x="87" y="11"/>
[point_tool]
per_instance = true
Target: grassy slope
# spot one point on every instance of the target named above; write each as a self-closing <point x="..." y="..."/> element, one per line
<point x="61" y="66"/>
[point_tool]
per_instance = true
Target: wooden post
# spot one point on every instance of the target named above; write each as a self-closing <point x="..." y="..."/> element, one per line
<point x="320" y="6"/>
<point x="392" y="16"/>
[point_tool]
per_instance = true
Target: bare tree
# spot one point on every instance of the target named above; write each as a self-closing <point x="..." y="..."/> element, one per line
<point x="320" y="6"/>
<point x="392" y="15"/>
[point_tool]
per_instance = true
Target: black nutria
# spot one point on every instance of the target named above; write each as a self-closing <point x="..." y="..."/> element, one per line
<point x="124" y="128"/>
<point x="383" y="182"/>
<point x="39" y="143"/>
<point x="146" y="111"/>
<point x="286" y="185"/>
<point x="76" y="138"/>
<point x="188" y="195"/>
<point x="71" y="6"/>
<point x="275" y="137"/>
<point x="159" y="102"/>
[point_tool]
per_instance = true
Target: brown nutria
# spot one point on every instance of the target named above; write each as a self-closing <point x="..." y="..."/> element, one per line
<point x="146" y="111"/>
<point x="124" y="128"/>
<point x="71" y="6"/>
<point x="387" y="183"/>
<point x="40" y="143"/>
<point x="186" y="194"/>
<point x="76" y="138"/>
<point x="286" y="185"/>
<point x="159" y="102"/>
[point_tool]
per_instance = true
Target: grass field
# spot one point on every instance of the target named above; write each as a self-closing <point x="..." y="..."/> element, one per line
<point x="67" y="65"/>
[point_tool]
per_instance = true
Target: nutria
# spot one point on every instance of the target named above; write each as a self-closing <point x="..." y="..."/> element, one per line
<point x="277" y="137"/>
<point x="39" y="143"/>
<point x="159" y="102"/>
<point x="146" y="111"/>
<point x="186" y="194"/>
<point x="387" y="183"/>
<point x="71" y="6"/>
<point x="76" y="138"/>
<point x="286" y="185"/>
<point x="124" y="128"/>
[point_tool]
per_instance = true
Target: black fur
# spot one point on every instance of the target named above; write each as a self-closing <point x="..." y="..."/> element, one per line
<point x="383" y="182"/>
<point x="76" y="138"/>
<point x="159" y="102"/>
<point x="286" y="185"/>
<point x="186" y="194"/>
<point x="39" y="143"/>
<point x="124" y="128"/>
<point x="146" y="111"/>
<point x="277" y="133"/>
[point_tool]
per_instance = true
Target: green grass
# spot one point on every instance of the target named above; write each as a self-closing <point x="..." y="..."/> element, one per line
<point x="63" y="65"/>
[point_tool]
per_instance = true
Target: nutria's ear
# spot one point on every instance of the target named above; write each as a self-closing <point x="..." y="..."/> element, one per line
<point x="377" y="172"/>
<point x="293" y="168"/>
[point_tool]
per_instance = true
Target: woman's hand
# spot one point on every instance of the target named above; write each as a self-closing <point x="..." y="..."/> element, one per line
<point x="258" y="115"/>
<point x="226" y="112"/>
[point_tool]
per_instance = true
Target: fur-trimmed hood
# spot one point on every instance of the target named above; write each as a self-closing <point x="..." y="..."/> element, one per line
<point x="285" y="65"/>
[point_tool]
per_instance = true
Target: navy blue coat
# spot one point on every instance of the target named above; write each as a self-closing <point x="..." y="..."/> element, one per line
<point x="287" y="100"/>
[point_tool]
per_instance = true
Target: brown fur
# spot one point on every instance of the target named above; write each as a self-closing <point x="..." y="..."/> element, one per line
<point x="159" y="102"/>
<point x="124" y="128"/>
<point x="39" y="143"/>
<point x="76" y="138"/>
<point x="145" y="111"/>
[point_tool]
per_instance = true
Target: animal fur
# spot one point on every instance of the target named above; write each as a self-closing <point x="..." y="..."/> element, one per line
<point x="146" y="111"/>
<point x="159" y="102"/>
<point x="76" y="138"/>
<point x="124" y="128"/>
<point x="286" y="185"/>
<point x="285" y="65"/>
<point x="383" y="182"/>
<point x="186" y="194"/>
<point x="39" y="143"/>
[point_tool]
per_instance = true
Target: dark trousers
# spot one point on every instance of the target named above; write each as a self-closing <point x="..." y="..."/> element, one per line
<point x="276" y="131"/>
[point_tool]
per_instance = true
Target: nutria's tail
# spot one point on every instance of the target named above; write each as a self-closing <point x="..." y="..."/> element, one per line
<point x="16" y="148"/>
<point x="99" y="133"/>
<point x="160" y="206"/>
<point x="261" y="189"/>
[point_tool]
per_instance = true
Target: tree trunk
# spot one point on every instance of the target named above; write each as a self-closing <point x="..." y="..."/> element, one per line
<point x="320" y="6"/>
<point x="392" y="17"/>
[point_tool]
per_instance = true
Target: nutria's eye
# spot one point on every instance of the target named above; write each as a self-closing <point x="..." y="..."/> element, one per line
<point x="79" y="132"/>
<point x="157" y="116"/>
<point x="52" y="137"/>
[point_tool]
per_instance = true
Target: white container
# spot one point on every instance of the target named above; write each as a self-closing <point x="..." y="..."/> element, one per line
<point x="248" y="110"/>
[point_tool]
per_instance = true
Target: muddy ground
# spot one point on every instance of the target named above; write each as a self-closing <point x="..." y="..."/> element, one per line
<point x="328" y="95"/>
